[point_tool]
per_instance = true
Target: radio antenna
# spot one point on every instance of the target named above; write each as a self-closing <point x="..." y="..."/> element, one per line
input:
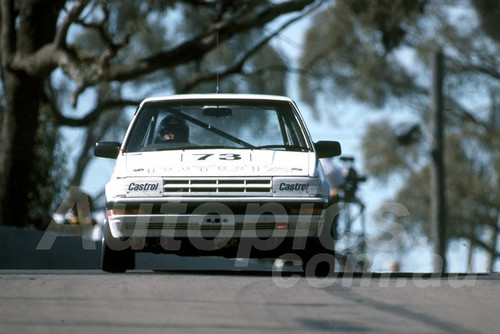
<point x="217" y="61"/>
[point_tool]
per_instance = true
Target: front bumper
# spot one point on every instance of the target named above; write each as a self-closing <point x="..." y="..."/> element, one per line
<point x="224" y="218"/>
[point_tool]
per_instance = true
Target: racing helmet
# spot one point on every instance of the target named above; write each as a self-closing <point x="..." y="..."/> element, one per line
<point x="175" y="127"/>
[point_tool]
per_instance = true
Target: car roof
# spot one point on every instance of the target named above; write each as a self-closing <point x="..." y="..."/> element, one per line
<point x="218" y="97"/>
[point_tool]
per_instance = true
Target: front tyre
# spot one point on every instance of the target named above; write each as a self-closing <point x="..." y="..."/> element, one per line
<point x="116" y="255"/>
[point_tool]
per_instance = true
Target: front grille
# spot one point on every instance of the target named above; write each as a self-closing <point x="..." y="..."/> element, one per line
<point x="217" y="187"/>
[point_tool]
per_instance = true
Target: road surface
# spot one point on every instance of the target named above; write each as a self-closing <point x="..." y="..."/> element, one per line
<point x="88" y="301"/>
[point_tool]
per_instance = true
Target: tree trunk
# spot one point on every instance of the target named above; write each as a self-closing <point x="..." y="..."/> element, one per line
<point x="26" y="26"/>
<point x="491" y="254"/>
<point x="470" y="254"/>
<point x="19" y="127"/>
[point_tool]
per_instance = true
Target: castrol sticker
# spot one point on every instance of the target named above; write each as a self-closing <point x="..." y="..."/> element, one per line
<point x="144" y="188"/>
<point x="295" y="186"/>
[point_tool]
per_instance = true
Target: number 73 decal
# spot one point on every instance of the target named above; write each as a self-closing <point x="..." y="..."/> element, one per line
<point x="220" y="156"/>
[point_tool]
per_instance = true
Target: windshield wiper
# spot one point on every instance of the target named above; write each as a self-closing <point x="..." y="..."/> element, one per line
<point x="219" y="146"/>
<point x="286" y="147"/>
<point x="212" y="129"/>
<point x="168" y="147"/>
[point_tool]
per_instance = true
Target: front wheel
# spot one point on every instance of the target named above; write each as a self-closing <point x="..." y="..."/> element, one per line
<point x="116" y="255"/>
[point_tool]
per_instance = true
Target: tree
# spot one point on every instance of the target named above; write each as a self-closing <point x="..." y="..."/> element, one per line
<point x="379" y="53"/>
<point x="50" y="176"/>
<point x="36" y="40"/>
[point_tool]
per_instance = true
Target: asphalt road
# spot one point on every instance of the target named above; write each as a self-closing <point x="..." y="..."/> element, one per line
<point x="86" y="301"/>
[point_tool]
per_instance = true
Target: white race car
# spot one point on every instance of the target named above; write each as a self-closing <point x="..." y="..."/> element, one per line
<point x="230" y="175"/>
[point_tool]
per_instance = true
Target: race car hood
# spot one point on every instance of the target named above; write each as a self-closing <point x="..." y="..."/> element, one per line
<point x="218" y="162"/>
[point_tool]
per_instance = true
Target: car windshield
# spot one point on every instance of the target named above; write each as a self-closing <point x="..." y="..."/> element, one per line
<point x="198" y="124"/>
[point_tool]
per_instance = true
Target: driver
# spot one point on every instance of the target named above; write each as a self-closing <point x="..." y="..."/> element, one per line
<point x="173" y="129"/>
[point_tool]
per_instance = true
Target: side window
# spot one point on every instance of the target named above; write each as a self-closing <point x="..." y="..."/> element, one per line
<point x="150" y="132"/>
<point x="142" y="133"/>
<point x="292" y="133"/>
<point x="287" y="139"/>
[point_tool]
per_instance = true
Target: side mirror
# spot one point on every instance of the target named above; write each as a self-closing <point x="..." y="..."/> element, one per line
<point x="327" y="149"/>
<point x="107" y="149"/>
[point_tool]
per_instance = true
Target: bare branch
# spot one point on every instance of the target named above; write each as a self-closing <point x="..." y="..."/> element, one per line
<point x="51" y="55"/>
<point x="465" y="115"/>
<point x="239" y="64"/>
<point x="98" y="64"/>
<point x="112" y="47"/>
<point x="8" y="31"/>
<point x="92" y="115"/>
<point x="197" y="47"/>
<point x="476" y="241"/>
<point x="73" y="14"/>
<point x="476" y="68"/>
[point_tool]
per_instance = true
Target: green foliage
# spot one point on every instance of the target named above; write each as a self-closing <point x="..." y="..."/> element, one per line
<point x="387" y="19"/>
<point x="379" y="52"/>
<point x="471" y="196"/>
<point x="382" y="162"/>
<point x="349" y="52"/>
